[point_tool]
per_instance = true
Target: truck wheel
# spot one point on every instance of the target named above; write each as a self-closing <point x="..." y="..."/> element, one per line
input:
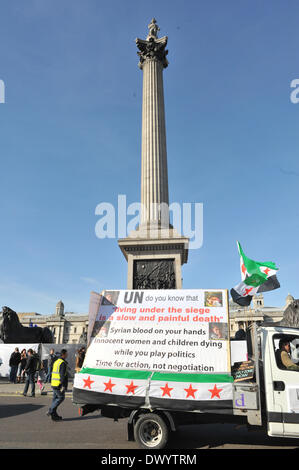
<point x="151" y="431"/>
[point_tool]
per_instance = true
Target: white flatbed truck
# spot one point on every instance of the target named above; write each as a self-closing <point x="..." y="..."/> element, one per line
<point x="269" y="401"/>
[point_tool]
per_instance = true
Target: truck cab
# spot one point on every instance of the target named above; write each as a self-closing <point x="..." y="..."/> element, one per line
<point x="271" y="399"/>
<point x="279" y="384"/>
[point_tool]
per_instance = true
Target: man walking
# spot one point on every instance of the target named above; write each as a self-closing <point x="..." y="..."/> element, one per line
<point x="14" y="361"/>
<point x="285" y="361"/>
<point x="30" y="370"/>
<point x="59" y="384"/>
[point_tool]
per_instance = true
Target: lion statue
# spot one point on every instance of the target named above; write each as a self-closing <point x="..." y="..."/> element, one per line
<point x="12" y="331"/>
<point x="291" y="315"/>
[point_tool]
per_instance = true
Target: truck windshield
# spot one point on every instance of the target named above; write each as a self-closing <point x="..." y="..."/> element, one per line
<point x="286" y="349"/>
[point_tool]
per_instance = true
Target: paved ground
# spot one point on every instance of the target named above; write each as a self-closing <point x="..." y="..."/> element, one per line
<point x="27" y="427"/>
<point x="24" y="425"/>
<point x="6" y="388"/>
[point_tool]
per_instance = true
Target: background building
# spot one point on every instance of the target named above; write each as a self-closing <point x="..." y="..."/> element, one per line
<point x="256" y="312"/>
<point x="67" y="327"/>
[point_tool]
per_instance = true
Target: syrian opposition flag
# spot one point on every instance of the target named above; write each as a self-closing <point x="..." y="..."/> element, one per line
<point x="256" y="278"/>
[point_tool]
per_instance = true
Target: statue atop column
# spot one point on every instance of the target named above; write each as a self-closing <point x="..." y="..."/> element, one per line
<point x="153" y="47"/>
<point x="153" y="30"/>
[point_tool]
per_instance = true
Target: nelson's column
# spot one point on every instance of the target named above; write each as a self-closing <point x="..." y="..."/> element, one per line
<point x="155" y="251"/>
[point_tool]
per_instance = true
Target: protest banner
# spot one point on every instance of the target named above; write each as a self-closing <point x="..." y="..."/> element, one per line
<point x="71" y="354"/>
<point x="243" y="371"/>
<point x="171" y="345"/>
<point x="7" y="349"/>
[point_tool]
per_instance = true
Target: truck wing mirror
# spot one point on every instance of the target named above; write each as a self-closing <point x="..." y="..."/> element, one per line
<point x="278" y="386"/>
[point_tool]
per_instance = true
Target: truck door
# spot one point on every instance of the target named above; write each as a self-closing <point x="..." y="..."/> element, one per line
<point x="282" y="389"/>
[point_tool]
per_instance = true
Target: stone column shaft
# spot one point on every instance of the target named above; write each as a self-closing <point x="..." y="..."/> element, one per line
<point x="154" y="177"/>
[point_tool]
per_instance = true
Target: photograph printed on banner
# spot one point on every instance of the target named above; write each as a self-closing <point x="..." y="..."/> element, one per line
<point x="213" y="299"/>
<point x="218" y="331"/>
<point x="101" y="329"/>
<point x="104" y="330"/>
<point x="110" y="297"/>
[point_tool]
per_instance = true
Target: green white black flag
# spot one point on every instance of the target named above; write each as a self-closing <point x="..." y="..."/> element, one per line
<point x="256" y="277"/>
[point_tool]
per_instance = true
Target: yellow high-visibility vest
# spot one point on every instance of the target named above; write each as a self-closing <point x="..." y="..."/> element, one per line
<point x="55" y="379"/>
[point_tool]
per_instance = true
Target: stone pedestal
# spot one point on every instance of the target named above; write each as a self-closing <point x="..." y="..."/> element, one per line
<point x="154" y="263"/>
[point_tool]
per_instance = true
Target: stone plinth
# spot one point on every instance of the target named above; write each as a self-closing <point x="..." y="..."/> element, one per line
<point x="162" y="252"/>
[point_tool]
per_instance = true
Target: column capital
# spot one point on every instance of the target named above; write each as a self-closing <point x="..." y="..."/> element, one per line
<point x="152" y="49"/>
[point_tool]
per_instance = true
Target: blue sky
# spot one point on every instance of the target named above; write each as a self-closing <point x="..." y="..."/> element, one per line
<point x="70" y="138"/>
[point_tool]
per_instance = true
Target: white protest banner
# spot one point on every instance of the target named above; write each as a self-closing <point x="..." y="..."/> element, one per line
<point x="5" y="352"/>
<point x="171" y="331"/>
<point x="71" y="349"/>
<point x="142" y="341"/>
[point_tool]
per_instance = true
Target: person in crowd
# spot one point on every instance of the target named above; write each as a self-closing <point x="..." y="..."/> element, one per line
<point x="51" y="359"/>
<point x="21" y="367"/>
<point x="59" y="383"/>
<point x="30" y="370"/>
<point x="14" y="361"/>
<point x="284" y="359"/>
<point x="79" y="359"/>
<point x="40" y="373"/>
<point x="41" y="379"/>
